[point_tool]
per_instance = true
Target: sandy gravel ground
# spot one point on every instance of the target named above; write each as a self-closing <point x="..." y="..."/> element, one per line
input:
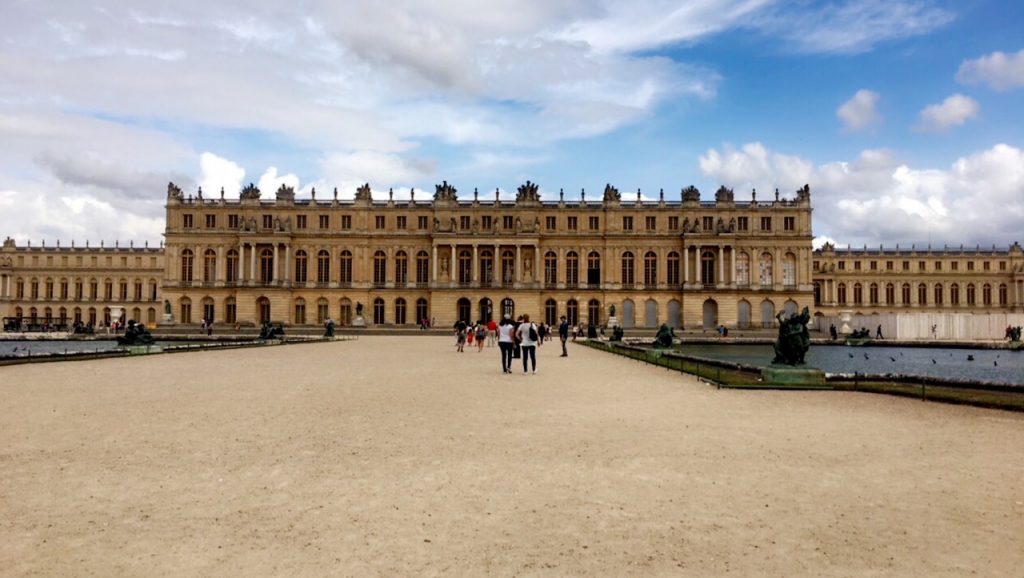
<point x="397" y="456"/>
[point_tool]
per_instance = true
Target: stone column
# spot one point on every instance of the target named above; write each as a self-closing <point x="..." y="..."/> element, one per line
<point x="252" y="262"/>
<point x="287" y="263"/>
<point x="732" y="267"/>
<point x="433" y="266"/>
<point x="518" y="264"/>
<point x="686" y="264"/>
<point x="475" y="266"/>
<point x="721" y="264"/>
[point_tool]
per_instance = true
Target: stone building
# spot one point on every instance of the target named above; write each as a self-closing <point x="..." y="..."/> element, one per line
<point x="52" y="287"/>
<point x="298" y="261"/>
<point x="886" y="281"/>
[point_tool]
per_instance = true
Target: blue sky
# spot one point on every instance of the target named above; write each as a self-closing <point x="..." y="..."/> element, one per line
<point x="904" y="116"/>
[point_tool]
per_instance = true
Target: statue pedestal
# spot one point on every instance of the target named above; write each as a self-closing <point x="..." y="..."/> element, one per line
<point x="144" y="349"/>
<point x="359" y="321"/>
<point x="613" y="321"/>
<point x="845" y="316"/>
<point x="785" y="376"/>
<point x="168" y="319"/>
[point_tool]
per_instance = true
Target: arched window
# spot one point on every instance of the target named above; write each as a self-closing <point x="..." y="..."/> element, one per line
<point x="817" y="293"/>
<point x="210" y="266"/>
<point x="92" y="316"/>
<point x="300" y="311"/>
<point x="323" y="266"/>
<point x="185" y="306"/>
<point x="400" y="311"/>
<point x="345" y="268"/>
<point x="301" y="266"/>
<point x="1003" y="294"/>
<point x="593" y="269"/>
<point x="905" y="294"/>
<point x="323" y="310"/>
<point x="230" y="310"/>
<point x="208" y="310"/>
<point x="954" y="294"/>
<point x="232" y="272"/>
<point x="765" y="275"/>
<point x="423" y="268"/>
<point x="673" y="269"/>
<point x="263" y="310"/>
<point x="380" y="271"/>
<point x="266" y="266"/>
<point x="650" y="269"/>
<point x="345" y="311"/>
<point x="378" y="311"/>
<point x="550" y="268"/>
<point x="551" y="312"/>
<point x="890" y="293"/>
<point x="707" y="268"/>
<point x="938" y="294"/>
<point x="986" y="294"/>
<point x="422" y="310"/>
<point x="465" y="264"/>
<point x="508" y="307"/>
<point x="789" y="270"/>
<point x="594" y="312"/>
<point x="150" y="316"/>
<point x="841" y="293"/>
<point x="78" y="315"/>
<point x="922" y="294"/>
<point x="402" y="268"/>
<point x="572" y="269"/>
<point x="572" y="312"/>
<point x="628" y="277"/>
<point x="487" y="267"/>
<point x="187" y="261"/>
<point x="508" y="267"/>
<point x="742" y="269"/>
<point x="873" y="293"/>
<point x="972" y="298"/>
<point x="463" y="310"/>
<point x="858" y="294"/>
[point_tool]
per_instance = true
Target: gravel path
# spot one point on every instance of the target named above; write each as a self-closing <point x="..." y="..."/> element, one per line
<point x="397" y="456"/>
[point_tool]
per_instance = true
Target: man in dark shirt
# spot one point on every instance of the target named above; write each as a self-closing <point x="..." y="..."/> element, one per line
<point x="563" y="334"/>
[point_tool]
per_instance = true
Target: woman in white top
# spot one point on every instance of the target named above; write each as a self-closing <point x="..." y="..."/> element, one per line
<point x="506" y="343"/>
<point x="528" y="337"/>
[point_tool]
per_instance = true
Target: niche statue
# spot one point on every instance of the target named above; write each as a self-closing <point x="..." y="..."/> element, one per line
<point x="794" y="339"/>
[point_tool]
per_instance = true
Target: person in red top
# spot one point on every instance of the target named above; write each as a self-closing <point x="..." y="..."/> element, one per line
<point x="492" y="332"/>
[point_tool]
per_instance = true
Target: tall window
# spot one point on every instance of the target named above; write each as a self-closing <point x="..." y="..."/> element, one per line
<point x="486" y="267"/>
<point x="873" y="293"/>
<point x="707" y="268"/>
<point x="971" y="295"/>
<point x="905" y="293"/>
<point x="266" y="266"/>
<point x="572" y="312"/>
<point x="841" y="293"/>
<point x="185" y="317"/>
<point x="232" y="266"/>
<point x="650" y="268"/>
<point x="208" y="310"/>
<point x="954" y="294"/>
<point x="186" y="265"/>
<point x="465" y="273"/>
<point x="378" y="311"/>
<point x="594" y="312"/>
<point x="301" y="264"/>
<point x="550" y="268"/>
<point x="210" y="266"/>
<point x="673" y="269"/>
<point x="572" y="269"/>
<point x="380" y="271"/>
<point x="858" y="294"/>
<point x="345" y="268"/>
<point x="400" y="311"/>
<point x="422" y="267"/>
<point x="986" y="292"/>
<point x="922" y="294"/>
<point x="508" y="267"/>
<point x="938" y="294"/>
<point x="323" y="310"/>
<point x="300" y="311"/>
<point x="422" y="309"/>
<point x="551" y="312"/>
<point x="765" y="272"/>
<point x="789" y="270"/>
<point x="323" y="266"/>
<point x="890" y="293"/>
<point x="593" y="268"/>
<point x="628" y="266"/>
<point x="1003" y="291"/>
<point x="402" y="268"/>
<point x="743" y="269"/>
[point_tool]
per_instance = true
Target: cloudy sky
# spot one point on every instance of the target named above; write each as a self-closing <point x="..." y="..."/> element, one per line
<point x="904" y="116"/>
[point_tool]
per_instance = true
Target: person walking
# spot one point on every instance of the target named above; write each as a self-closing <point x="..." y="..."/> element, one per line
<point x="492" y="333"/>
<point x="528" y="338"/>
<point x="563" y="335"/>
<point x="481" y="336"/>
<point x="506" y="343"/>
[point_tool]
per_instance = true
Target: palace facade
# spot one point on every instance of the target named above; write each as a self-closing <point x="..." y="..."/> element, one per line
<point x="687" y="263"/>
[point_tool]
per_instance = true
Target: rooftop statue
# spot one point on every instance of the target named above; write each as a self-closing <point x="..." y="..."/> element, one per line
<point x="724" y="194"/>
<point x="794" y="339"/>
<point x="445" y="192"/>
<point x="611" y="194"/>
<point x="804" y="194"/>
<point x="174" y="192"/>
<point x="286" y="193"/>
<point x="250" y="192"/>
<point x="363" y="193"/>
<point x="691" y="194"/>
<point x="527" y="193"/>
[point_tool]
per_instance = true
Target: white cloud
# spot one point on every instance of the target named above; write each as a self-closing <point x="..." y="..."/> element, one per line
<point x="270" y="181"/>
<point x="859" y="112"/>
<point x="349" y="170"/>
<point x="999" y="70"/>
<point x="217" y="172"/>
<point x="954" y="111"/>
<point x="878" y="199"/>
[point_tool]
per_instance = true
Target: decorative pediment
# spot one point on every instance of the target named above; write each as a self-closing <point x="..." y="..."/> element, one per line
<point x="691" y="194"/>
<point x="611" y="194"/>
<point x="249" y="193"/>
<point x="445" y="192"/>
<point x="363" y="193"/>
<point x="723" y="195"/>
<point x="527" y="193"/>
<point x="174" y="192"/>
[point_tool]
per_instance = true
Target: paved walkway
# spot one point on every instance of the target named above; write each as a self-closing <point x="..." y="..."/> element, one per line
<point x="397" y="456"/>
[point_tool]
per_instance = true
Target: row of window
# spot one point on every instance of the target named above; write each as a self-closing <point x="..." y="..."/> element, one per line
<point x="938" y="294"/>
<point x="487" y="222"/>
<point x="921" y="266"/>
<point x="88" y="316"/>
<point x="304" y="272"/>
<point x="82" y="290"/>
